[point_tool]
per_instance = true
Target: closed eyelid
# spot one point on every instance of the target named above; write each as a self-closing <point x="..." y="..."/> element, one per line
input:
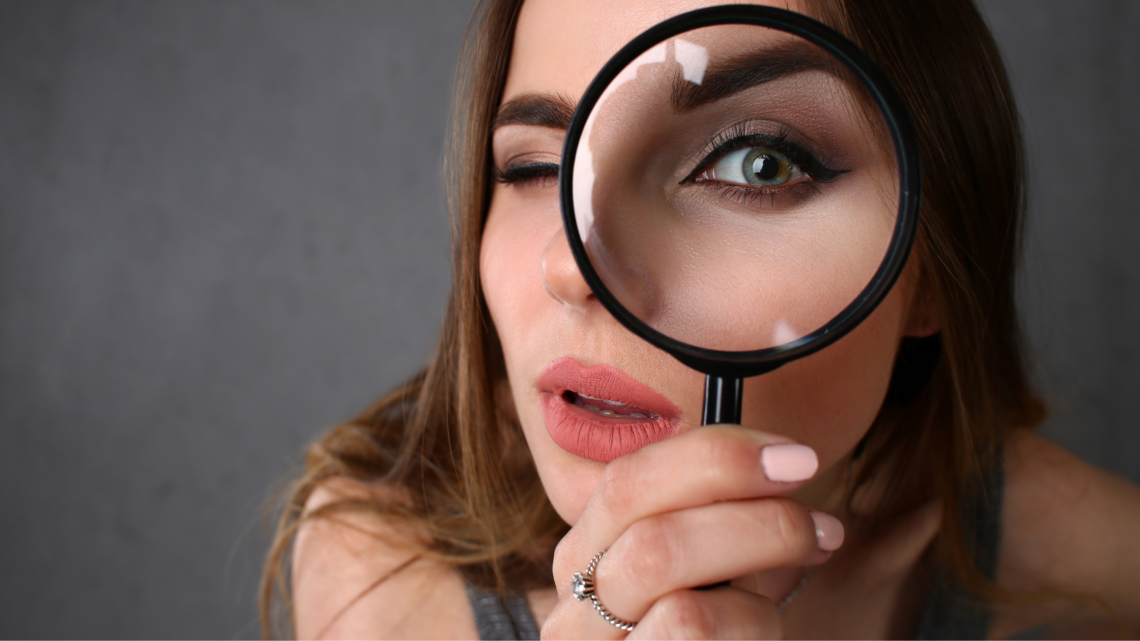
<point x="517" y="142"/>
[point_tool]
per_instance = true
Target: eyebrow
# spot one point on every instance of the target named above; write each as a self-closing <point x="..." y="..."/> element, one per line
<point x="537" y="110"/>
<point x="751" y="69"/>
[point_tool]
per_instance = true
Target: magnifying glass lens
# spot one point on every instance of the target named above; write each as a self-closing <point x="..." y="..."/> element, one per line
<point x="735" y="189"/>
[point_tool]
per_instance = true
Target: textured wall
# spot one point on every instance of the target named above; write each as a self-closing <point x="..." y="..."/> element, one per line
<point x="221" y="229"/>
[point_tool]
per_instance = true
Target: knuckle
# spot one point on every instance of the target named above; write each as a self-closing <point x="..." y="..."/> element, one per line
<point x="790" y="521"/>
<point x="759" y="618"/>
<point x="768" y="622"/>
<point x="648" y="555"/>
<point x="729" y="458"/>
<point x="684" y="616"/>
<point x="619" y="488"/>
<point x="558" y="623"/>
<point x="563" y="564"/>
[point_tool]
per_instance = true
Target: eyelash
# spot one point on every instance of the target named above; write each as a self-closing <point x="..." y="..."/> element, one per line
<point x="536" y="174"/>
<point x="749" y="195"/>
<point x="736" y="138"/>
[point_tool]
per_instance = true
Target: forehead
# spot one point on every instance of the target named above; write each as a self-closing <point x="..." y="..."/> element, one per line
<point x="560" y="45"/>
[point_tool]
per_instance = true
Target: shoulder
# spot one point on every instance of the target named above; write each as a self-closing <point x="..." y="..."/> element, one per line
<point x="1068" y="526"/>
<point x="357" y="575"/>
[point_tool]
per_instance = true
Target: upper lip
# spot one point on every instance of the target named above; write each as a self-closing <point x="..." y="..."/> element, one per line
<point x="604" y="382"/>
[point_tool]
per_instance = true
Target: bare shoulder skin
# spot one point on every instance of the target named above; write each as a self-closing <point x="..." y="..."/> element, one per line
<point x="1071" y="527"/>
<point x="336" y="564"/>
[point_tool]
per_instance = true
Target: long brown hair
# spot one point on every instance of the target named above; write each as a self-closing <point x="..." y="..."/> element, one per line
<point x="454" y="448"/>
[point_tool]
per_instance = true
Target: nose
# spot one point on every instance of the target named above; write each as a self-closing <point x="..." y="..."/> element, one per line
<point x="560" y="276"/>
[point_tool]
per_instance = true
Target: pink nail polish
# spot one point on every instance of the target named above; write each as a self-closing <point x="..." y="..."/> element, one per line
<point x="828" y="531"/>
<point x="788" y="463"/>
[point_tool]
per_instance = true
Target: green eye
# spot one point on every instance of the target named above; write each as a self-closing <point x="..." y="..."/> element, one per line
<point x="756" y="166"/>
<point x="766" y="168"/>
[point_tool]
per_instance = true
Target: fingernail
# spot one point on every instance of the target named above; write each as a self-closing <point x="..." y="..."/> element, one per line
<point x="788" y="463"/>
<point x="828" y="531"/>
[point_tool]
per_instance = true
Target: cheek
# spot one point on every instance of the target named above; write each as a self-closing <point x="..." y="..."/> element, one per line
<point x="830" y="399"/>
<point x="530" y="329"/>
<point x="510" y="256"/>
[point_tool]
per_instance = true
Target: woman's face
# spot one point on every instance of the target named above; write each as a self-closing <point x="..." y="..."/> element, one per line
<point x="585" y="388"/>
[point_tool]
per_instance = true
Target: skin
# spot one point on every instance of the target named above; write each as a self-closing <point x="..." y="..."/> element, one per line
<point x="698" y="508"/>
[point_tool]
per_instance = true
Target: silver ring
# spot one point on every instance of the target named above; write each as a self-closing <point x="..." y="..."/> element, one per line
<point x="582" y="587"/>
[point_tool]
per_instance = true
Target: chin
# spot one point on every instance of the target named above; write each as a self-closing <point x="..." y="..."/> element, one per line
<point x="569" y="480"/>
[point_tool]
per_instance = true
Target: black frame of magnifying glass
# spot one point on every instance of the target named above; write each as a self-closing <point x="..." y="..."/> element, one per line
<point x="726" y="370"/>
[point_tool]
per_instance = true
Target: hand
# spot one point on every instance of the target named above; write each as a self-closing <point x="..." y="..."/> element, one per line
<point x="697" y="509"/>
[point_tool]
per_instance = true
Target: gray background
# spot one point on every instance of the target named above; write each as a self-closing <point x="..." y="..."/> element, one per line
<point x="221" y="230"/>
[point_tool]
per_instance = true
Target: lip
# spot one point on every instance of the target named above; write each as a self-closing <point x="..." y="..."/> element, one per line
<point x="593" y="436"/>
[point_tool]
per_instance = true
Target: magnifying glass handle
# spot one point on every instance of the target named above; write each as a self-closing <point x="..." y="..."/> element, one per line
<point x="722" y="405"/>
<point x="722" y="399"/>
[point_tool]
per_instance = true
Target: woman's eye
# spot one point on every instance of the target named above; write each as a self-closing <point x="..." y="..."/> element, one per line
<point x="754" y="166"/>
<point x="535" y="174"/>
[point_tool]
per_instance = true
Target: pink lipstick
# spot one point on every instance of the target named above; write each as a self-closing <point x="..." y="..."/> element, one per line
<point x="600" y="412"/>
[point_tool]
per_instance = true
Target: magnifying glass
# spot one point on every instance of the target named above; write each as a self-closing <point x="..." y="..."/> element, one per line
<point x="740" y="188"/>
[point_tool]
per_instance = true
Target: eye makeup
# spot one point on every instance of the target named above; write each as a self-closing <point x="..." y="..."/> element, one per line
<point x="528" y="174"/>
<point x="782" y="139"/>
<point x="770" y="142"/>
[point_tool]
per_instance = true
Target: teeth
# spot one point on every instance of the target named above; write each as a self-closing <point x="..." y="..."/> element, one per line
<point x="580" y="401"/>
<point x="595" y="398"/>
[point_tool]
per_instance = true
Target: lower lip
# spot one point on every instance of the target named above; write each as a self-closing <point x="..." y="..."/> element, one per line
<point x="584" y="433"/>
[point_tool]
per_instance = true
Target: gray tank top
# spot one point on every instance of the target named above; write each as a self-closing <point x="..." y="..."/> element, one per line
<point x="949" y="612"/>
<point x="497" y="618"/>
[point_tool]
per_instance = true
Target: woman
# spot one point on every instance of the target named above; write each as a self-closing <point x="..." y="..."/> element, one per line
<point x="886" y="486"/>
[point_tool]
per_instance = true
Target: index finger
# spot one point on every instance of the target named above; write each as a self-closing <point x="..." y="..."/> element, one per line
<point x="704" y="466"/>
